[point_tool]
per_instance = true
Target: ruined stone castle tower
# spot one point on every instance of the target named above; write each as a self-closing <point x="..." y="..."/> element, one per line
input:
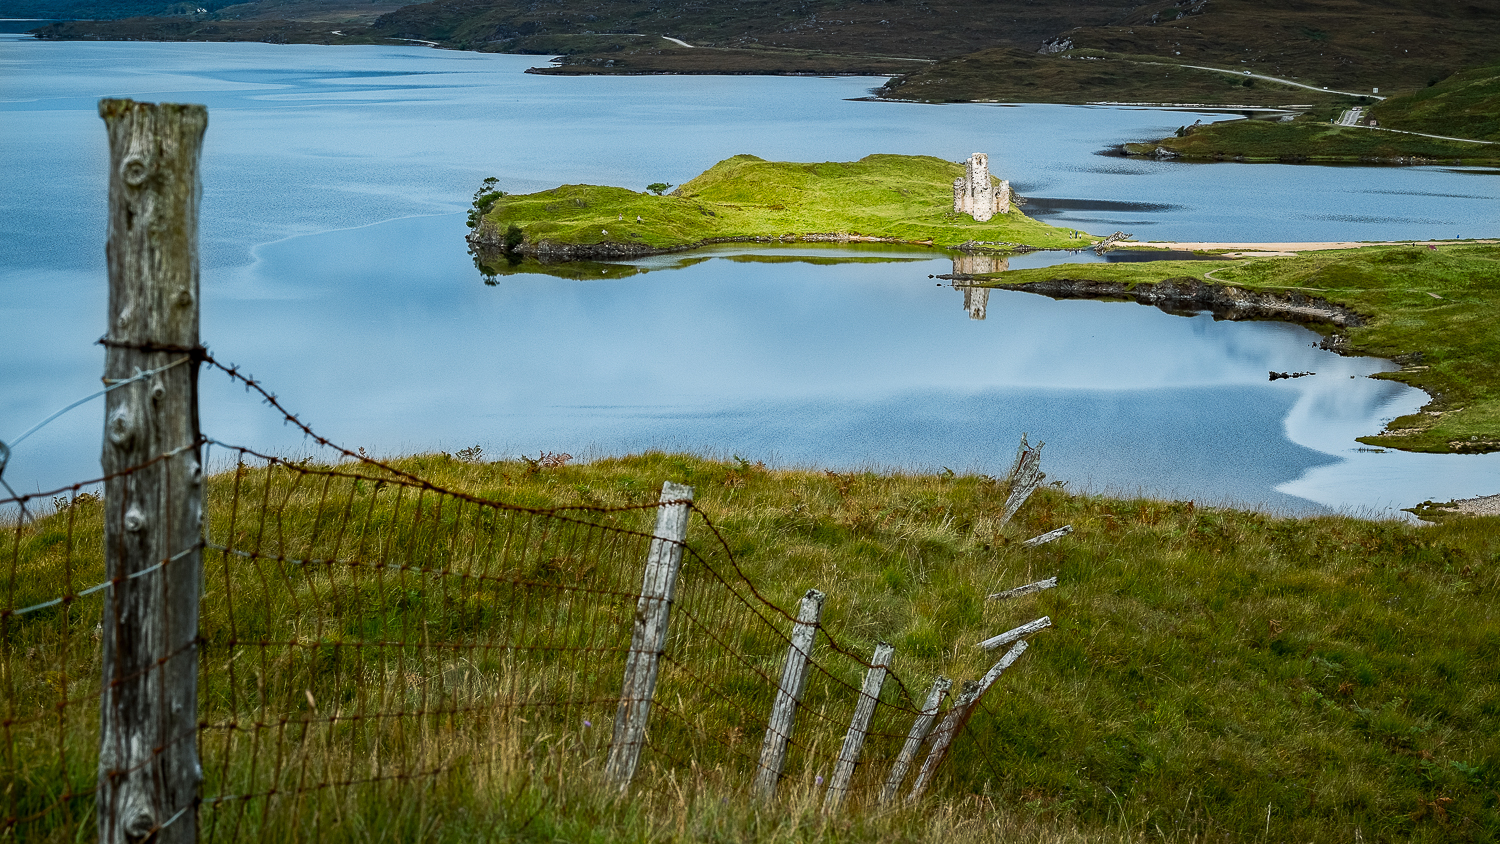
<point x="975" y="196"/>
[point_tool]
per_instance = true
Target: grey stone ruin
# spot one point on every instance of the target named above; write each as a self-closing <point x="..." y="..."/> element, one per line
<point x="975" y="195"/>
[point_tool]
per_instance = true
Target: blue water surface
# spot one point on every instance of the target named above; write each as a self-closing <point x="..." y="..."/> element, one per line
<point x="334" y="185"/>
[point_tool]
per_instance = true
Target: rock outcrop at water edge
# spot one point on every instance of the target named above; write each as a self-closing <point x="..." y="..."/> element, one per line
<point x="1191" y="295"/>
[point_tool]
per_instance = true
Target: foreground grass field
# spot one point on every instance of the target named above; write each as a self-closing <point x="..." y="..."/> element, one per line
<point x="1212" y="674"/>
<point x="1431" y="307"/>
<point x="894" y="197"/>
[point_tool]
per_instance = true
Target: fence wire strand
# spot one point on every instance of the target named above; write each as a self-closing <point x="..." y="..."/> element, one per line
<point x="366" y="634"/>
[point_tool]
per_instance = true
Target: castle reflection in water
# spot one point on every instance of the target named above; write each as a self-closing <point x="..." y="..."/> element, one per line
<point x="976" y="299"/>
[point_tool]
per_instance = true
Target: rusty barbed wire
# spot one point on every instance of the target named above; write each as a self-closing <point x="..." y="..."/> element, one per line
<point x="369" y="630"/>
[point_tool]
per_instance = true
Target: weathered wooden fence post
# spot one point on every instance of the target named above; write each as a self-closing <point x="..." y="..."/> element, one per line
<point x="649" y="636"/>
<point x="149" y="775"/>
<point x="788" y="695"/>
<point x="957" y="717"/>
<point x="914" y="738"/>
<point x="1025" y="476"/>
<point x="854" y="740"/>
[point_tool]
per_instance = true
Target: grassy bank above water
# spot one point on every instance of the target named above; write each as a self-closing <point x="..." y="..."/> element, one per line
<point x="1431" y="308"/>
<point x="1313" y="140"/>
<point x="1465" y="105"/>
<point x="1212" y="674"/>
<point x="893" y="197"/>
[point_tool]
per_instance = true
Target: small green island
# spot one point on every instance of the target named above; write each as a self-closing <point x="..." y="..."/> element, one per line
<point x="879" y="198"/>
<point x="1422" y="305"/>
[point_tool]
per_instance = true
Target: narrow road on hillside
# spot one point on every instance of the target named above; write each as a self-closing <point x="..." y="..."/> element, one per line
<point x="1351" y="116"/>
<point x="1282" y="81"/>
<point x="679" y="41"/>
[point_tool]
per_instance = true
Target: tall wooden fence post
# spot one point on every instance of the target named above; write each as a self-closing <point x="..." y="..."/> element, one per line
<point x="958" y="716"/>
<point x="149" y="774"/>
<point x="859" y="727"/>
<point x="788" y="695"/>
<point x="919" y="729"/>
<point x="649" y="637"/>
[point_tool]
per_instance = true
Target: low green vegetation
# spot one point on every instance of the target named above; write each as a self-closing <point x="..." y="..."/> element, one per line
<point x="1465" y="105"/>
<point x="1310" y="139"/>
<point x="1211" y="675"/>
<point x="895" y="197"/>
<point x="1430" y="306"/>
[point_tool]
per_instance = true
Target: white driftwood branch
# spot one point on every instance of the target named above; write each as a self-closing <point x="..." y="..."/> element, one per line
<point x="1048" y="537"/>
<point x="1021" y="632"/>
<point x="1023" y="590"/>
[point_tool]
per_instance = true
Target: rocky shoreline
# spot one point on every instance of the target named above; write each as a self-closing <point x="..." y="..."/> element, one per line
<point x="487" y="244"/>
<point x="1188" y="294"/>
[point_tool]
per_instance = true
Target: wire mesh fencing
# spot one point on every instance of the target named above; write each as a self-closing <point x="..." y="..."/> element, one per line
<point x="285" y="648"/>
<point x="365" y="638"/>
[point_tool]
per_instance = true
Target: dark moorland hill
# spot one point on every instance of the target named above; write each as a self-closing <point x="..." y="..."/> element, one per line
<point x="1009" y="49"/>
<point x="913" y="28"/>
<point x="1356" y="44"/>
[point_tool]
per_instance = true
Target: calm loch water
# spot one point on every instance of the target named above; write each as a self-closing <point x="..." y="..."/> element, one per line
<point x="334" y="186"/>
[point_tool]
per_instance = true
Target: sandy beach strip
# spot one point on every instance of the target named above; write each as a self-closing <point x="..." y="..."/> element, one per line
<point x="1274" y="250"/>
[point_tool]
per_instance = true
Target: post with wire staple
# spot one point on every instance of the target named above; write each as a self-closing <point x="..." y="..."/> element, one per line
<point x="149" y="772"/>
<point x="649" y="636"/>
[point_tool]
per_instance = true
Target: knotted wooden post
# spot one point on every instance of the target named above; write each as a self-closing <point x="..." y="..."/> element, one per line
<point x="149" y="775"/>
<point x="788" y="695"/>
<point x="649" y="636"/>
<point x="854" y="740"/>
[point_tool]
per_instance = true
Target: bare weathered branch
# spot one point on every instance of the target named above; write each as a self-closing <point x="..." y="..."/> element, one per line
<point x="1023" y="590"/>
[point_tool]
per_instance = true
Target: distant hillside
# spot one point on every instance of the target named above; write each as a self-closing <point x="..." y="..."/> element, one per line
<point x="1353" y="44"/>
<point x="103" y="9"/>
<point x="913" y="28"/>
<point x="1016" y="76"/>
<point x="172" y="15"/>
<point x="1465" y="105"/>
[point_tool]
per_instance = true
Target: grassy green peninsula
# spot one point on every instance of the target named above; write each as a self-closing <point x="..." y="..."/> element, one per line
<point x="892" y="198"/>
<point x="1428" y="306"/>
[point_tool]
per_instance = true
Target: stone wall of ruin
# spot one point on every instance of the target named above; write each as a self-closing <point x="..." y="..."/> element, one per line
<point x="975" y="195"/>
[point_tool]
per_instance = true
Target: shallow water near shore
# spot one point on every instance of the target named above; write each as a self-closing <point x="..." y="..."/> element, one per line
<point x="334" y="183"/>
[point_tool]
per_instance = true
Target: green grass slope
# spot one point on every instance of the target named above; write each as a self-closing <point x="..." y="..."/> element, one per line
<point x="1465" y="105"/>
<point x="1212" y="675"/>
<point x="902" y="198"/>
<point x="1434" y="309"/>
<point x="1312" y="138"/>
